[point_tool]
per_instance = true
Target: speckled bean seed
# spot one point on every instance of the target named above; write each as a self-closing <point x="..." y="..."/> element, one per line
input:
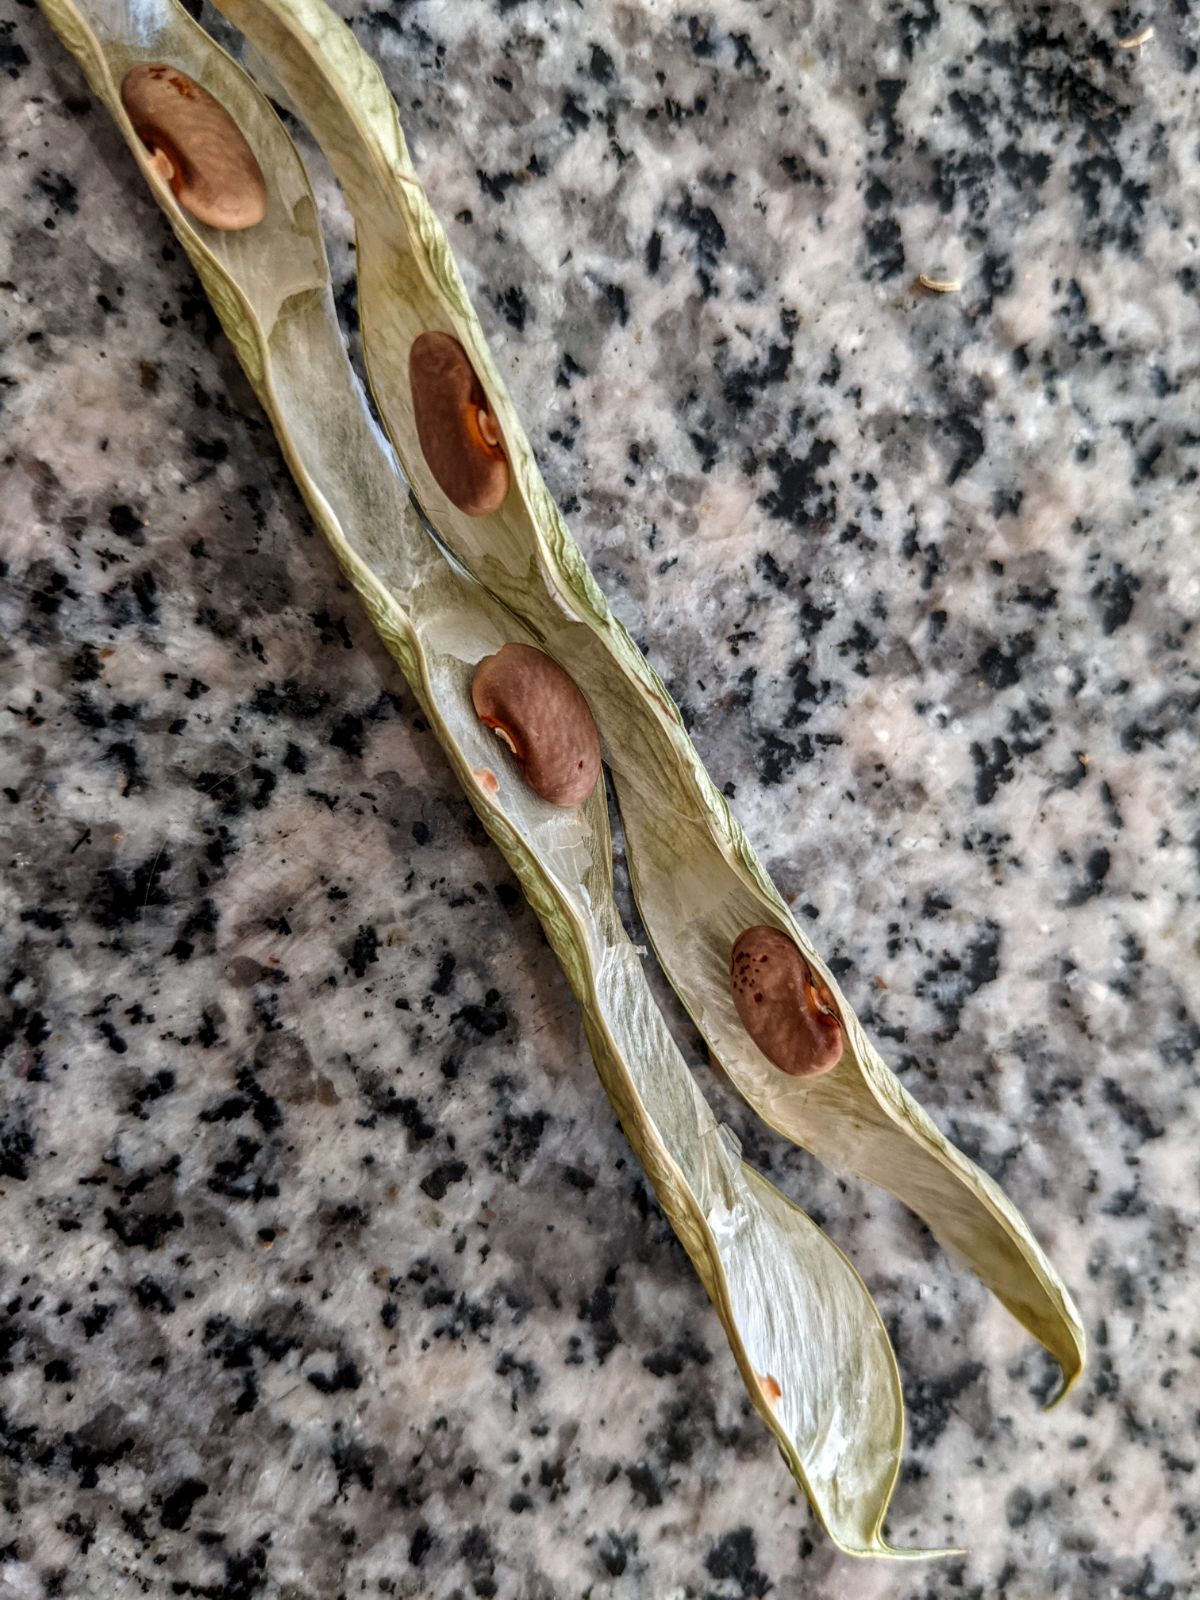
<point x="540" y="714"/>
<point x="197" y="146"/>
<point x="786" y="1010"/>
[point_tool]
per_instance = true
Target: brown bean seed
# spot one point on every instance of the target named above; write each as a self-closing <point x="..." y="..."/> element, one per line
<point x="459" y="436"/>
<point x="786" y="1010"/>
<point x="544" y="720"/>
<point x="198" y="148"/>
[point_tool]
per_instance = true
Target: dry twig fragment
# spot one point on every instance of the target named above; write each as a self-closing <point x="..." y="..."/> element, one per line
<point x="939" y="285"/>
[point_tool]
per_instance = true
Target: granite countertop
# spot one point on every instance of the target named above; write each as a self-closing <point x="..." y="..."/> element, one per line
<point x="325" y="1268"/>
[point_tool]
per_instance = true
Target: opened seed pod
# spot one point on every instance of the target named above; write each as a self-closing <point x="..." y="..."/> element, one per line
<point x="697" y="881"/>
<point x="802" y="1328"/>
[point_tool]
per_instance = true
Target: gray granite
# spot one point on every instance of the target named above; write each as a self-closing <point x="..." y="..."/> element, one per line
<point x="325" y="1269"/>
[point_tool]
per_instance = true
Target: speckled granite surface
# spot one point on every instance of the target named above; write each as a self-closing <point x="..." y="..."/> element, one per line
<point x="325" y="1269"/>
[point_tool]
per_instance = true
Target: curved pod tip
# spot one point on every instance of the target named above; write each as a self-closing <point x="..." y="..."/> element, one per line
<point x="197" y="147"/>
<point x="538" y="711"/>
<point x="458" y="434"/>
<point x="1071" y="1363"/>
<point x="785" y="1008"/>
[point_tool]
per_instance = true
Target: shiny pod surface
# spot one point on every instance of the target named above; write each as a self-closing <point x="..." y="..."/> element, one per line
<point x="455" y="427"/>
<point x="197" y="146"/>
<point x="538" y="711"/>
<point x="786" y="1011"/>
